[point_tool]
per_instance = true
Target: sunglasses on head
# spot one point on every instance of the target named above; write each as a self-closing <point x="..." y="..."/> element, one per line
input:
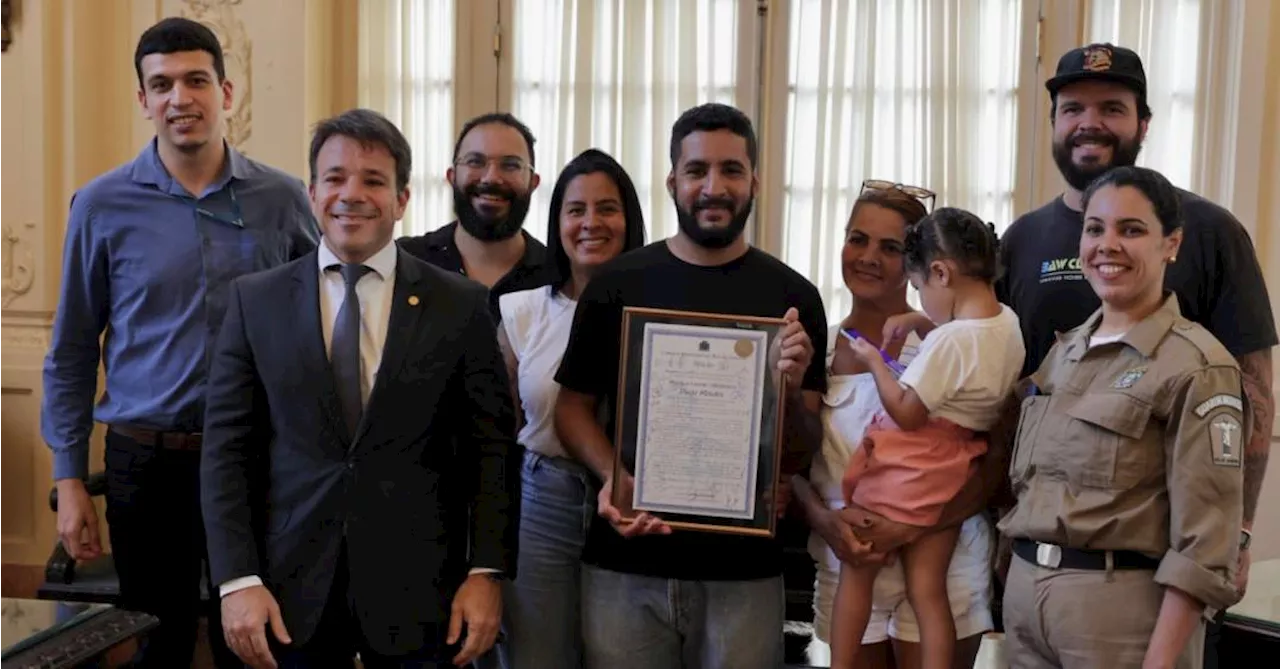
<point x="924" y="195"/>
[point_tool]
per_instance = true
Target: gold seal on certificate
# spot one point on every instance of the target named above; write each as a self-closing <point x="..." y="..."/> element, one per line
<point x="699" y="420"/>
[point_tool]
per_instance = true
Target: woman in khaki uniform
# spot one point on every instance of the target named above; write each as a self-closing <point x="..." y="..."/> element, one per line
<point x="1126" y="465"/>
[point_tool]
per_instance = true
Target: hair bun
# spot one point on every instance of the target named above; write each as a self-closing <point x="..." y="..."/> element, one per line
<point x="973" y="233"/>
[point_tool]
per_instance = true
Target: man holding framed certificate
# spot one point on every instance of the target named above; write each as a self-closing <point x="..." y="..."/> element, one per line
<point x="689" y="387"/>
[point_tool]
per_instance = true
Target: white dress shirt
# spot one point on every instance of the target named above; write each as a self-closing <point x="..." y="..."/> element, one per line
<point x="375" y="290"/>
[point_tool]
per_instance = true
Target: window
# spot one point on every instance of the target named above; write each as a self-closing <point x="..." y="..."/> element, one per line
<point x="907" y="91"/>
<point x="407" y="73"/>
<point x="614" y="75"/>
<point x="1166" y="35"/>
<point x="919" y="92"/>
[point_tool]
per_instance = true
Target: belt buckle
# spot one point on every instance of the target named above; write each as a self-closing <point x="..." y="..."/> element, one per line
<point x="1048" y="555"/>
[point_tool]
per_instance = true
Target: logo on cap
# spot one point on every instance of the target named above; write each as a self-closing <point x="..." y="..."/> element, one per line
<point x="1097" y="59"/>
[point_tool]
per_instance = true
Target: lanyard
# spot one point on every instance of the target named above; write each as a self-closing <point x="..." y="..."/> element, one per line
<point x="237" y="217"/>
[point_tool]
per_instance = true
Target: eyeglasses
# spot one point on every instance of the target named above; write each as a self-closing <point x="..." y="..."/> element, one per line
<point x="924" y="195"/>
<point x="507" y="165"/>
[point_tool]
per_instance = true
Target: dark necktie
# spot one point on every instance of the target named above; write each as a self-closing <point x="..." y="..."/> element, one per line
<point x="344" y="349"/>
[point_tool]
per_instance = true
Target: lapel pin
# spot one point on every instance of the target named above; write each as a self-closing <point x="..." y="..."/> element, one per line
<point x="413" y="300"/>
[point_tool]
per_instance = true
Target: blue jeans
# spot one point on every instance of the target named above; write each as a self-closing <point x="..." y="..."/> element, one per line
<point x="644" y="622"/>
<point x="541" y="618"/>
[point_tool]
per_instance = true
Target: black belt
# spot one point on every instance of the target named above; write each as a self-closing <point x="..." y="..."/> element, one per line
<point x="173" y="441"/>
<point x="1061" y="557"/>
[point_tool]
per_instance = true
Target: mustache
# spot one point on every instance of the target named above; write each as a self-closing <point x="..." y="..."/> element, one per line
<point x="714" y="203"/>
<point x="1096" y="136"/>
<point x="353" y="210"/>
<point x="476" y="190"/>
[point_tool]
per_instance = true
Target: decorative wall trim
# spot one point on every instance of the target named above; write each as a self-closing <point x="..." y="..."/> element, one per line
<point x="19" y="263"/>
<point x="6" y="390"/>
<point x="25" y="318"/>
<point x="237" y="50"/>
<point x="34" y="338"/>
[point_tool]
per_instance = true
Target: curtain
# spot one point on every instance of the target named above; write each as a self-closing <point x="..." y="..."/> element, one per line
<point x="614" y="75"/>
<point x="1166" y="35"/>
<point x="919" y="92"/>
<point x="406" y="72"/>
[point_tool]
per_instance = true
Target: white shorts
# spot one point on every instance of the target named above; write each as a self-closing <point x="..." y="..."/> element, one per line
<point x="968" y="589"/>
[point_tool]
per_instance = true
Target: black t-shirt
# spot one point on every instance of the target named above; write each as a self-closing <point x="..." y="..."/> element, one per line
<point x="436" y="247"/>
<point x="1216" y="278"/>
<point x="755" y="284"/>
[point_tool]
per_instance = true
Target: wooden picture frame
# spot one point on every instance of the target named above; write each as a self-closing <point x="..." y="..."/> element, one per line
<point x="699" y="420"/>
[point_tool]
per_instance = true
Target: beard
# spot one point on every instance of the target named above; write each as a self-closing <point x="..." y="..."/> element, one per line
<point x="486" y="228"/>
<point x="713" y="238"/>
<point x="1123" y="154"/>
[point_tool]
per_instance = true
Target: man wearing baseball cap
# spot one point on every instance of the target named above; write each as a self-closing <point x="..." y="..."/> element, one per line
<point x="1099" y="116"/>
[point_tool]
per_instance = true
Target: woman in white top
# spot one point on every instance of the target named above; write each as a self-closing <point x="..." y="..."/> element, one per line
<point x="595" y="215"/>
<point x="872" y="267"/>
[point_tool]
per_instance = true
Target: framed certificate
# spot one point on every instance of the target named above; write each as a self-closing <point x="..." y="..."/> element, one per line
<point x="698" y="438"/>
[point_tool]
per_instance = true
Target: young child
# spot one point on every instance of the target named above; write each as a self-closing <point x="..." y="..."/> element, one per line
<point x="920" y="451"/>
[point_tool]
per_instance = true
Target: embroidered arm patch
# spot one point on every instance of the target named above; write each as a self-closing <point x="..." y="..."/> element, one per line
<point x="1226" y="438"/>
<point x="1216" y="401"/>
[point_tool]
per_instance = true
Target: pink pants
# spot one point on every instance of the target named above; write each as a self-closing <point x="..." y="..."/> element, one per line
<point x="908" y="477"/>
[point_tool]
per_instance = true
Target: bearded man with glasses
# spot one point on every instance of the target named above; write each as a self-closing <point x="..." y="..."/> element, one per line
<point x="493" y="179"/>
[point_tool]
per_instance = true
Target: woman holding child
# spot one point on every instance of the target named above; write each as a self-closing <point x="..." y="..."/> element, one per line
<point x="953" y="257"/>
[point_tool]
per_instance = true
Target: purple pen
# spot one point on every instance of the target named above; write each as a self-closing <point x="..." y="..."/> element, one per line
<point x="894" y="365"/>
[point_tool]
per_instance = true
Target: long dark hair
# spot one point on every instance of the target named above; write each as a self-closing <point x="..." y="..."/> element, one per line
<point x="592" y="161"/>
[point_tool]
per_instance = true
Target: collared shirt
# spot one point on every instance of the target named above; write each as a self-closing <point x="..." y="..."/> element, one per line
<point x="1135" y="444"/>
<point x="374" y="290"/>
<point x="437" y="247"/>
<point x="149" y="264"/>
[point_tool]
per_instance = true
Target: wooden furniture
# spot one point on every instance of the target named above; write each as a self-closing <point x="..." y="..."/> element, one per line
<point x="68" y="580"/>
<point x="63" y="635"/>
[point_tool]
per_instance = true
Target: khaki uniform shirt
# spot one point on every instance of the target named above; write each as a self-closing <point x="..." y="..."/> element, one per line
<point x="1136" y="445"/>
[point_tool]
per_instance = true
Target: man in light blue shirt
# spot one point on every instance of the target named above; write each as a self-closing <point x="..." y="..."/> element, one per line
<point x="150" y="249"/>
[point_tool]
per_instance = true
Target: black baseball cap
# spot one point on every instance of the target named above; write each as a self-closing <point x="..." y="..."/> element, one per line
<point x="1100" y="62"/>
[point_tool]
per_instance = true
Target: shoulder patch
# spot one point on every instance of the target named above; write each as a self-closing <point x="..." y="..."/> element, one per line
<point x="1216" y="401"/>
<point x="1226" y="439"/>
